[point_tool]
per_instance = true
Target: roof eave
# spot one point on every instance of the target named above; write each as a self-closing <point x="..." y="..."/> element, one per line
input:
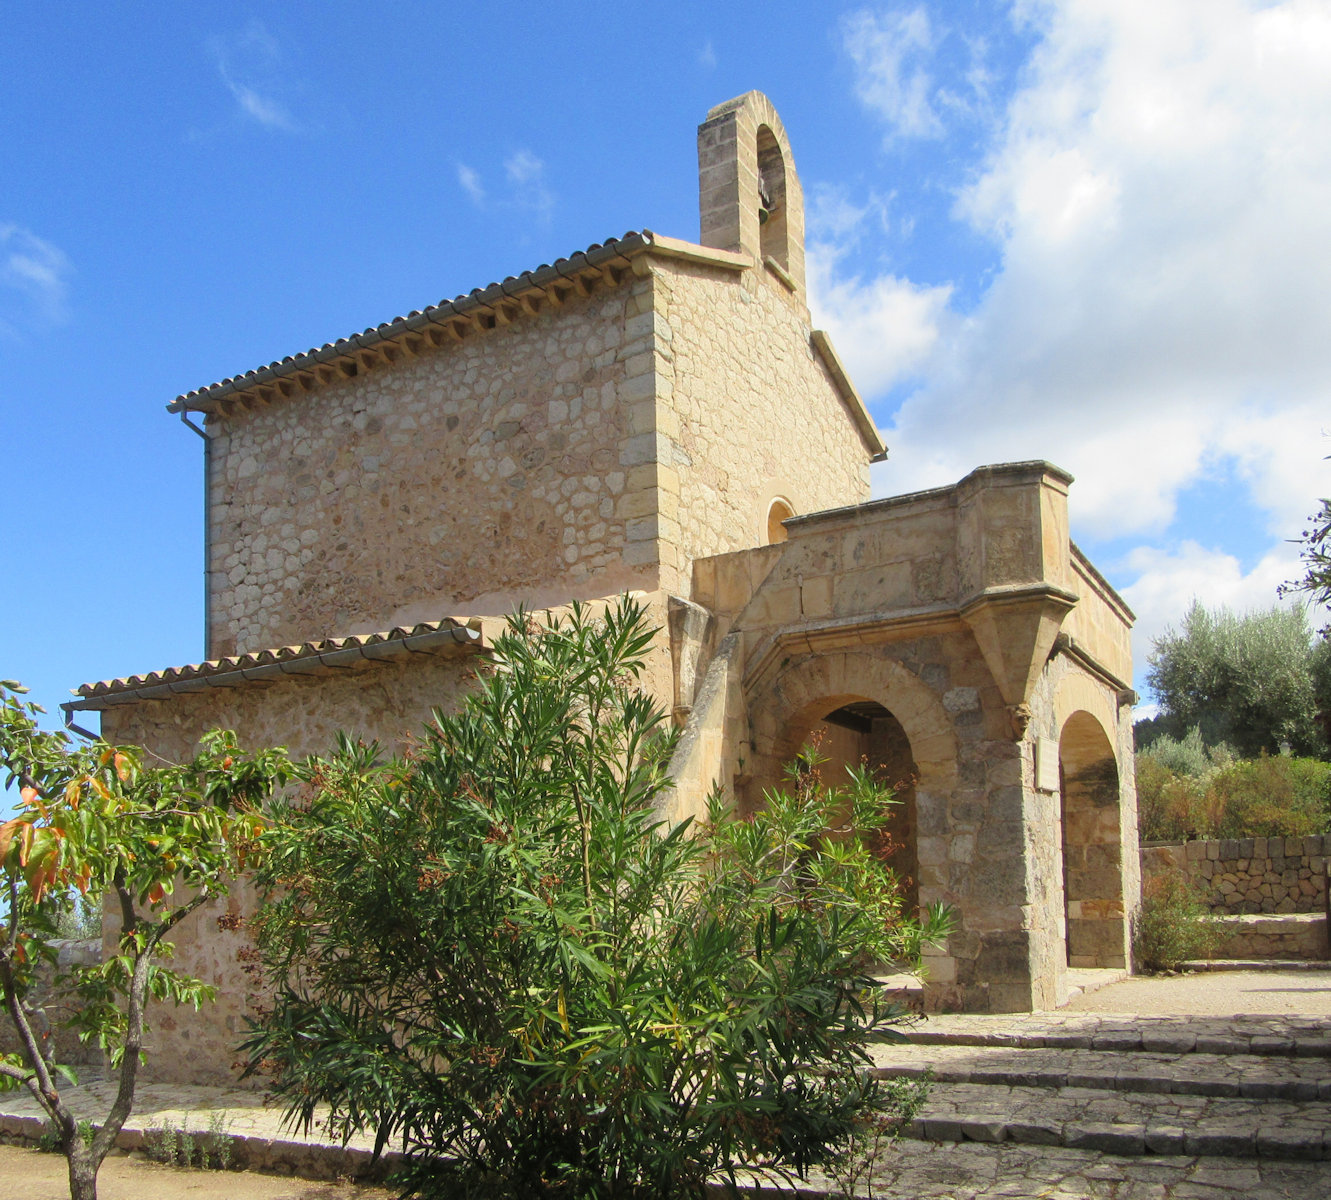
<point x="617" y="252"/>
<point x="444" y="638"/>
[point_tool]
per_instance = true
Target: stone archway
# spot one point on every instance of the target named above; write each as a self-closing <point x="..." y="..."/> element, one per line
<point x="1092" y="850"/>
<point x="870" y="705"/>
<point x="863" y="733"/>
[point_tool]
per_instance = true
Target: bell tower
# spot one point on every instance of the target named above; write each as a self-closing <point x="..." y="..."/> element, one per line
<point x="749" y="195"/>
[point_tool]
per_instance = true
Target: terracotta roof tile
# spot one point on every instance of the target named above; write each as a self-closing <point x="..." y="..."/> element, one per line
<point x="309" y="658"/>
<point x="596" y="255"/>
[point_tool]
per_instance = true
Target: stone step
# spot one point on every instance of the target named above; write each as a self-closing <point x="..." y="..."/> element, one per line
<point x="1126" y="1124"/>
<point x="1237" y="1076"/>
<point x="1022" y="1171"/>
<point x="1295" y="1036"/>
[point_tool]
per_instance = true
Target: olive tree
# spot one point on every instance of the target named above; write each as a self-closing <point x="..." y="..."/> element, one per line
<point x="1243" y="679"/>
<point x="159" y="841"/>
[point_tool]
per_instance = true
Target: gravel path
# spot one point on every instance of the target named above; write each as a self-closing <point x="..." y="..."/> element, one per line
<point x="1214" y="994"/>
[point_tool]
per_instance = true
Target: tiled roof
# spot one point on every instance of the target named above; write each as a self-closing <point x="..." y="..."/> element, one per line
<point x="614" y="253"/>
<point x="450" y="635"/>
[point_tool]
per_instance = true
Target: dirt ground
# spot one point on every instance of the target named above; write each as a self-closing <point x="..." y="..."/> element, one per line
<point x="29" y="1175"/>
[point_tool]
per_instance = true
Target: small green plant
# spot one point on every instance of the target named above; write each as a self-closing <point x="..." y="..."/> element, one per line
<point x="165" y="1143"/>
<point x="180" y="1146"/>
<point x="875" y="1133"/>
<point x="218" y="1149"/>
<point x="1172" y="926"/>
<point x="48" y="1141"/>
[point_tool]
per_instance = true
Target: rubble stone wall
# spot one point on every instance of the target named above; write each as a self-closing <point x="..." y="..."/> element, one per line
<point x="389" y="702"/>
<point x="457" y="481"/>
<point x="745" y="406"/>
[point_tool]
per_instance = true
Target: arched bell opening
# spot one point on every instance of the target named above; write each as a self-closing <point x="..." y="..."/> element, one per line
<point x="773" y="232"/>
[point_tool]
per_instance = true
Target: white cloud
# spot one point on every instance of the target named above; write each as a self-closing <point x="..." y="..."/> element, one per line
<point x="526" y="193"/>
<point x="523" y="167"/>
<point x="526" y="175"/>
<point x="707" y="56"/>
<point x="885" y="325"/>
<point x="248" y="64"/>
<point x="1160" y="194"/>
<point x="890" y="52"/>
<point x="470" y="180"/>
<point x="34" y="278"/>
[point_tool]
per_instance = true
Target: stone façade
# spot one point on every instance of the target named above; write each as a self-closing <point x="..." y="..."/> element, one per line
<point x="659" y="416"/>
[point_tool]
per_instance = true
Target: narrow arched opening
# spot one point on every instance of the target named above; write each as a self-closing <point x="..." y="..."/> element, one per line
<point x="1092" y="848"/>
<point x="772" y="214"/>
<point x="778" y="513"/>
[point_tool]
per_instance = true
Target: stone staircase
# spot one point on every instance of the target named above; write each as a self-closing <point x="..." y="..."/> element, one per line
<point x="1051" y="1106"/>
<point x="1078" y="1105"/>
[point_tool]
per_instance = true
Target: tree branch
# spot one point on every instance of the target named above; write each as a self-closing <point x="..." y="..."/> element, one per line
<point x="39" y="1081"/>
<point x="138" y="989"/>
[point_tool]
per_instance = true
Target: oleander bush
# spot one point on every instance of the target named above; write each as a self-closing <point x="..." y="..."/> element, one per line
<point x="494" y="955"/>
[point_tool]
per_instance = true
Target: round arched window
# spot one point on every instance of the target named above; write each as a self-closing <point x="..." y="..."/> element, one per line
<point x="779" y="512"/>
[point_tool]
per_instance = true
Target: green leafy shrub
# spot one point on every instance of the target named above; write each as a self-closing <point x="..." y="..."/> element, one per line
<point x="1271" y="797"/>
<point x="1188" y="755"/>
<point x="1172" y="926"/>
<point x="1185" y="790"/>
<point x="493" y="954"/>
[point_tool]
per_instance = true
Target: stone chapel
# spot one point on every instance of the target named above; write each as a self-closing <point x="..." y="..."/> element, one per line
<point x="657" y="415"/>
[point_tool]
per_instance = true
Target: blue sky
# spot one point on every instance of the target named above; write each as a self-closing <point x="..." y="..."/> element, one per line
<point x="1094" y="232"/>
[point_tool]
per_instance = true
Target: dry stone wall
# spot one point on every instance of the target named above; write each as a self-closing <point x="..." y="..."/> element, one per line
<point x="1249" y="875"/>
<point x="1289" y="936"/>
<point x="457" y="481"/>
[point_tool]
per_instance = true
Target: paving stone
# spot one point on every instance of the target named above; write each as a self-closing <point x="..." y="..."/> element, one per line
<point x="1281" y="1142"/>
<point x="984" y="1131"/>
<point x="1036" y="1133"/>
<point x="1145" y="1123"/>
<point x="1214" y="1142"/>
<point x="1165" y="1139"/>
<point x="1113" y="1139"/>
